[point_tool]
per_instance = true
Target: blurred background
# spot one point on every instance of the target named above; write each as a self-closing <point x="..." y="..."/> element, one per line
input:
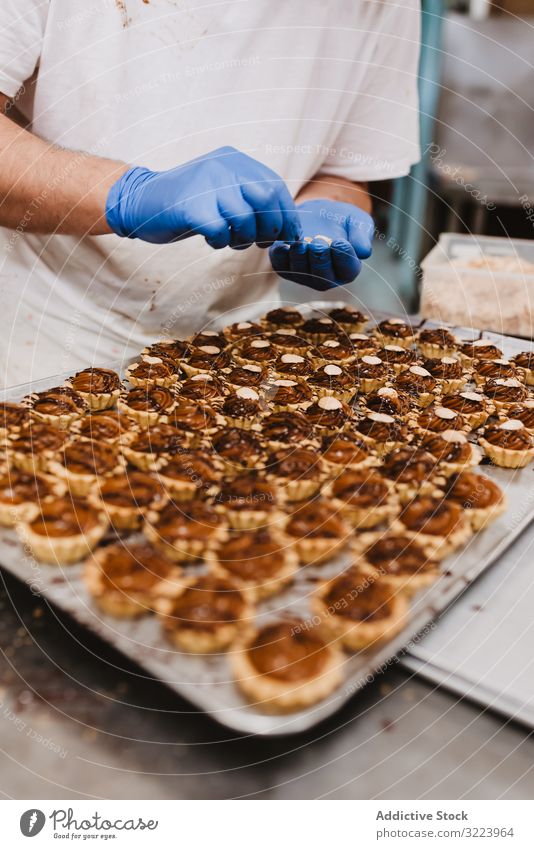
<point x="476" y="177"/>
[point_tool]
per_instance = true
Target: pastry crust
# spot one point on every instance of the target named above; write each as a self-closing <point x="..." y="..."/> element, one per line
<point x="27" y="495"/>
<point x="185" y="531"/>
<point x="99" y="387"/>
<point x="273" y="695"/>
<point x="396" y="560"/>
<point x="355" y="634"/>
<point x="126" y="593"/>
<point x="317" y="531"/>
<point x="247" y="570"/>
<point x="218" y="633"/>
<point x="66" y="549"/>
<point x="437" y="525"/>
<point x="506" y="454"/>
<point x="470" y="491"/>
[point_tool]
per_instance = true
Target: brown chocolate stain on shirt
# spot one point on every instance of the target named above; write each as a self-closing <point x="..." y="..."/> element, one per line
<point x="121" y="6"/>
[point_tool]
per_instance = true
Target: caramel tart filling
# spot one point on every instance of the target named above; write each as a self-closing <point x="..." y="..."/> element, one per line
<point x="288" y="652"/>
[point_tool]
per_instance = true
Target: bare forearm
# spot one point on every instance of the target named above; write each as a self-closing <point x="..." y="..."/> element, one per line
<point x="336" y="188"/>
<point x="50" y="189"/>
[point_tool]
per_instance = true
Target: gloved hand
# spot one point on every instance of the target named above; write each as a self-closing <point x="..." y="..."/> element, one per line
<point x="225" y="196"/>
<point x="318" y="264"/>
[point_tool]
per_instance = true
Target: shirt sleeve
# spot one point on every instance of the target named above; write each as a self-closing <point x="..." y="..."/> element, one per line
<point x="379" y="138"/>
<point x="22" y="25"/>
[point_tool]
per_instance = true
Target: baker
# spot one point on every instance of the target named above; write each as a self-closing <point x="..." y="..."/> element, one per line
<point x="150" y="150"/>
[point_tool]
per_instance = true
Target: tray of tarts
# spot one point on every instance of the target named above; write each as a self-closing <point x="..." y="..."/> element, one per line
<point x="263" y="516"/>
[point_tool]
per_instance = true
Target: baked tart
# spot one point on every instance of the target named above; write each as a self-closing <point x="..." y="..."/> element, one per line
<point x="346" y="451"/>
<point x="351" y="319"/>
<point x="148" y="449"/>
<point x="209" y="337"/>
<point x="452" y="449"/>
<point x="148" y="405"/>
<point x="203" y="388"/>
<point x="126" y="578"/>
<point x="81" y="464"/>
<point x="99" y="387"/>
<point x="481" y="498"/>
<point x="484" y="370"/>
<point x="207" y="615"/>
<point x="435" y="523"/>
<point x="436" y="342"/>
<point x="328" y="415"/>
<point x="524" y="412"/>
<point x="412" y="470"/>
<point x="171" y="349"/>
<point x="242" y="330"/>
<point x="36" y="446"/>
<point x="249" y="501"/>
<point x="359" y="611"/>
<point x="282" y="317"/>
<point x="330" y="379"/>
<point x="508" y="444"/>
<point x="288" y="342"/>
<point x="64" y="530"/>
<point x="127" y="498"/>
<point x="22" y="493"/>
<point x="437" y="419"/>
<point x="152" y="371"/>
<point x="286" y="666"/>
<point x="370" y="373"/>
<point x="480" y="349"/>
<point x="59" y="406"/>
<point x="382" y="431"/>
<point x="387" y="400"/>
<point x="258" y="352"/>
<point x="292" y="367"/>
<point x="243" y="408"/>
<point x="192" y="474"/>
<point x="394" y="331"/>
<point x="398" y="358"/>
<point x="195" y="421"/>
<point x="286" y="395"/>
<point x="449" y="373"/>
<point x="419" y="384"/>
<point x="503" y="392"/>
<point x="317" y="531"/>
<point x="333" y="351"/>
<point x="318" y="329"/>
<point x="363" y="497"/>
<point x="204" y="358"/>
<point x="185" y="530"/>
<point x="525" y="362"/>
<point x="13" y="417"/>
<point x="259" y="560"/>
<point x="363" y="344"/>
<point x="250" y="376"/>
<point x="296" y="473"/>
<point x="105" y="426"/>
<point x="282" y="430"/>
<point x="474" y="407"/>
<point x="238" y="449"/>
<point x="396" y="560"/>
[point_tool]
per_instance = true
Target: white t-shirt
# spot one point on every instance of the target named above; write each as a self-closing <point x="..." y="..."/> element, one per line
<point x="305" y="86"/>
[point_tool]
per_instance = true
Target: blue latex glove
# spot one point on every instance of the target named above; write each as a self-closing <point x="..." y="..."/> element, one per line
<point x="318" y="264"/>
<point x="225" y="196"/>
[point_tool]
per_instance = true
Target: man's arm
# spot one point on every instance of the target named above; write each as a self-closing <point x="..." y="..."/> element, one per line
<point x="225" y="195"/>
<point x="337" y="189"/>
<point x="50" y="189"/>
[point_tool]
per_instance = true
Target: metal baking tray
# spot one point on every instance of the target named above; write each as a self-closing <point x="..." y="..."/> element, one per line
<point x="206" y="682"/>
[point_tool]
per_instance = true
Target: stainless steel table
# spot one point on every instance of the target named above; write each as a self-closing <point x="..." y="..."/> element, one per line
<point x="77" y="721"/>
